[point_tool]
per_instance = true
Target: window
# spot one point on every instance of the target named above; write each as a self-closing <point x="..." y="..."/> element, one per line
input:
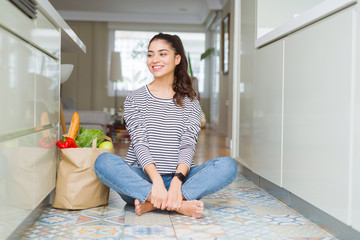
<point x="132" y="46"/>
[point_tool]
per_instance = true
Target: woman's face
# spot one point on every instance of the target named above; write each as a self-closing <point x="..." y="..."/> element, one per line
<point x="161" y="59"/>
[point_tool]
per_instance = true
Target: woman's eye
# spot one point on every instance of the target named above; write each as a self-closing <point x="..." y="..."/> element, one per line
<point x="163" y="54"/>
<point x="149" y="55"/>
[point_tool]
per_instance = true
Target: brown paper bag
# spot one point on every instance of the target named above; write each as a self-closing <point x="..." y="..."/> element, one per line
<point x="77" y="186"/>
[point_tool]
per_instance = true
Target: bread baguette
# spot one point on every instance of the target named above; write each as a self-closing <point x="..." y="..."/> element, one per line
<point x="74" y="126"/>
<point x="44" y="120"/>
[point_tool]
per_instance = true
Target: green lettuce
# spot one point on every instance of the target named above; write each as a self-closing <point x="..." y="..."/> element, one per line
<point x="86" y="137"/>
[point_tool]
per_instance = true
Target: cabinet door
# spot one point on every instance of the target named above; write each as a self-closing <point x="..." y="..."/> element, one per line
<point x="47" y="36"/>
<point x="17" y="90"/>
<point x="16" y="21"/>
<point x="268" y="88"/>
<point x="27" y="176"/>
<point x="317" y="113"/>
<point x="40" y="31"/>
<point x="47" y="90"/>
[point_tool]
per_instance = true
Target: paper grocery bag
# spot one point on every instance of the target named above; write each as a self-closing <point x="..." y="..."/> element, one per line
<point x="77" y="186"/>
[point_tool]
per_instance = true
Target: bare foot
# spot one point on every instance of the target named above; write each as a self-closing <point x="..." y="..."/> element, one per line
<point x="194" y="208"/>
<point x="141" y="208"/>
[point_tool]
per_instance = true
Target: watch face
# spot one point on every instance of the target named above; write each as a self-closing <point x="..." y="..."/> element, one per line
<point x="181" y="177"/>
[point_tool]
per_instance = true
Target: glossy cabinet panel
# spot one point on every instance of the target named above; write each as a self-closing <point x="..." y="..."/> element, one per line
<point x="267" y="90"/>
<point x="47" y="90"/>
<point x="25" y="72"/>
<point x="245" y="130"/>
<point x="46" y="35"/>
<point x="355" y="167"/>
<point x="39" y="32"/>
<point x="27" y="175"/>
<point x="29" y="110"/>
<point x="17" y="91"/>
<point x="317" y="113"/>
<point x="15" y="20"/>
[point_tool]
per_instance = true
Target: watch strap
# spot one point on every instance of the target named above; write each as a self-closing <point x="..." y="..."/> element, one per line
<point x="179" y="175"/>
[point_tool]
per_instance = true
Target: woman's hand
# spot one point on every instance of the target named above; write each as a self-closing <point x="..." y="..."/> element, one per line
<point x="174" y="195"/>
<point x="159" y="194"/>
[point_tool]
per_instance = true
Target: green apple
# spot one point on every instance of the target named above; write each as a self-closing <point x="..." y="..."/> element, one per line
<point x="106" y="145"/>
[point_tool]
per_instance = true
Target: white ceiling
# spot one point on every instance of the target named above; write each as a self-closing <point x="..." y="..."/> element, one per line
<point x="139" y="11"/>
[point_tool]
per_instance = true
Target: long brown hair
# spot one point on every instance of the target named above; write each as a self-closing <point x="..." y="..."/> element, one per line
<point x="182" y="85"/>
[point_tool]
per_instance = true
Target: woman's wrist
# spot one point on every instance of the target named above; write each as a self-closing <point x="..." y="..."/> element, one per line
<point x="176" y="182"/>
<point x="157" y="180"/>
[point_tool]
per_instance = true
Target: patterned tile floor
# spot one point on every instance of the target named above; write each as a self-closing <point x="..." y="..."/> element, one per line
<point x="240" y="211"/>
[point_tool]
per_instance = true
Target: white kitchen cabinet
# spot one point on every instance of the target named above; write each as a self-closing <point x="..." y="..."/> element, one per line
<point x="27" y="175"/>
<point x="30" y="97"/>
<point x="47" y="36"/>
<point x="320" y="70"/>
<point x="355" y="166"/>
<point x="40" y="33"/>
<point x="17" y="90"/>
<point x="47" y="89"/>
<point x="30" y="85"/>
<point x="317" y="113"/>
<point x="29" y="165"/>
<point x="267" y="119"/>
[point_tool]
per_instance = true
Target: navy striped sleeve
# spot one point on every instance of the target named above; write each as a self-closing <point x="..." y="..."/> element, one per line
<point x="189" y="137"/>
<point x="135" y="125"/>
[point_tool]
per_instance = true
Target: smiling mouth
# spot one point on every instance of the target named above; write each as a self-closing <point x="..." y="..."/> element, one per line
<point x="157" y="67"/>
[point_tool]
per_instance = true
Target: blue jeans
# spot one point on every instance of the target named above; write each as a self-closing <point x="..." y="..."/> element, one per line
<point x="133" y="183"/>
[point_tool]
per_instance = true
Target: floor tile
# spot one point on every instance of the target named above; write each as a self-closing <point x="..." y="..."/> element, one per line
<point x="97" y="232"/>
<point x="196" y="231"/>
<point x="275" y="210"/>
<point x="46" y="232"/>
<point x="242" y="211"/>
<point x="146" y="232"/>
<point x="302" y="231"/>
<point x="220" y="195"/>
<point x="236" y="231"/>
<point x="284" y="220"/>
<point x="157" y="218"/>
<point x="181" y="220"/>
<point x="217" y="202"/>
<point x="239" y="220"/>
<point x="58" y="217"/>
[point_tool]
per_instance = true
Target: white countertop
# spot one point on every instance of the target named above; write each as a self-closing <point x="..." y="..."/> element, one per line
<point x="312" y="15"/>
<point x="70" y="42"/>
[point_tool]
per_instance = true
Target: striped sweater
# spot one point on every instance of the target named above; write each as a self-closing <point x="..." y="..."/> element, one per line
<point x="161" y="132"/>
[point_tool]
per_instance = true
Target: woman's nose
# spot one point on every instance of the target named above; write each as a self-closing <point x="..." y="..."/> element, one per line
<point x="155" y="59"/>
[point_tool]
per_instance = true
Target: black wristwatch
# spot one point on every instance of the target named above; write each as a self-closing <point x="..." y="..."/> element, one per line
<point x="180" y="176"/>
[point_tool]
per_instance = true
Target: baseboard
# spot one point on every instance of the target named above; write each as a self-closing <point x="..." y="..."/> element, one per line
<point x="31" y="219"/>
<point x="337" y="228"/>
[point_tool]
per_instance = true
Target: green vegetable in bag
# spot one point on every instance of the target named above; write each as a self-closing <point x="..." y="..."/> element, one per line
<point x="86" y="136"/>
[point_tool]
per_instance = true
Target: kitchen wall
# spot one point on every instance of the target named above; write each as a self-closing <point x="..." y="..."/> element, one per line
<point x="88" y="82"/>
<point x="225" y="85"/>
